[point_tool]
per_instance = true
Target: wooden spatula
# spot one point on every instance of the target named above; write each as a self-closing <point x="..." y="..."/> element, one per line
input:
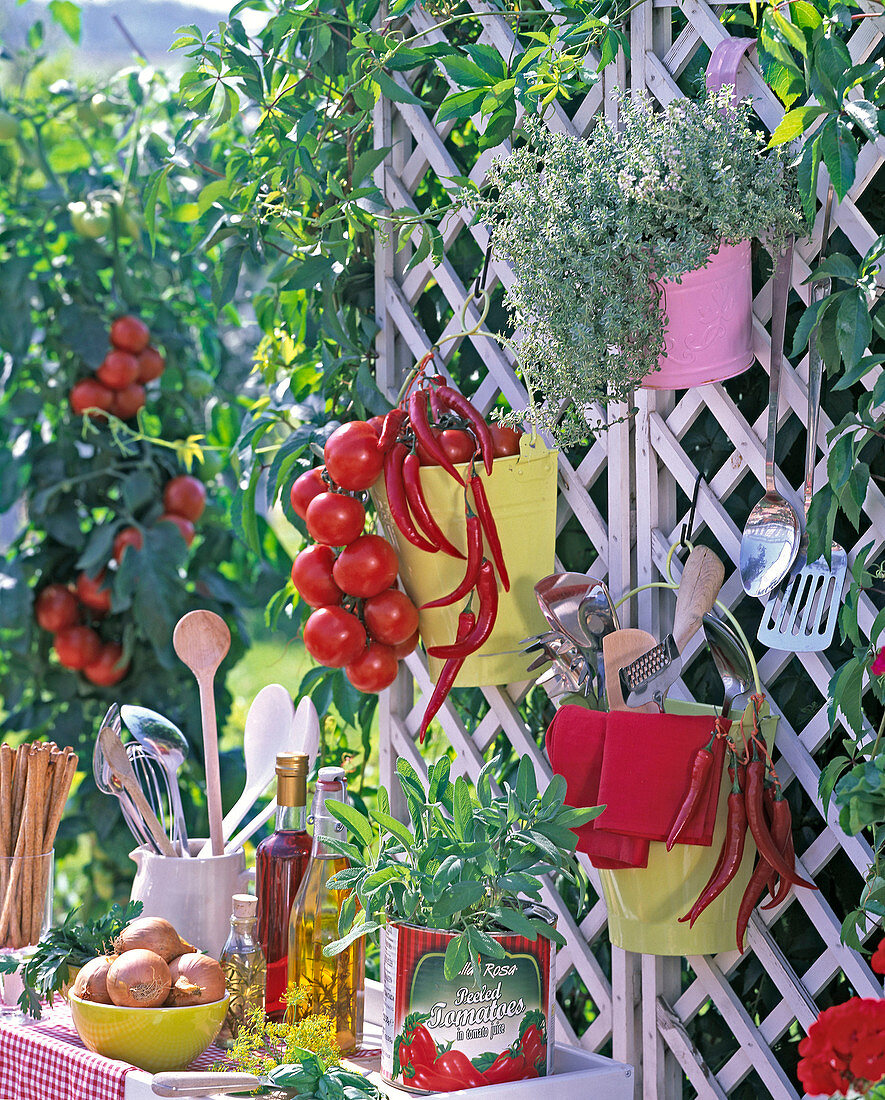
<point x="619" y="649"/>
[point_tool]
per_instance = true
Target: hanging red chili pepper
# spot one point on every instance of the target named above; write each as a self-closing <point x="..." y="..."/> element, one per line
<point x="424" y="435"/>
<point x="450" y="670"/>
<point x="390" y="429"/>
<point x="396" y="498"/>
<point x="752" y="894"/>
<point x="421" y="510"/>
<point x="458" y="403"/>
<point x="698" y="786"/>
<point x="471" y="573"/>
<point x="490" y="528"/>
<point x="732" y="853"/>
<point x="487" y="590"/>
<point x="782" y="835"/>
<point x="755" y="817"/>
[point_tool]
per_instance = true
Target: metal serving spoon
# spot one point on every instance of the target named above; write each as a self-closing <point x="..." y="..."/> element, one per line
<point x="165" y="742"/>
<point x="771" y="536"/>
<point x="108" y="783"/>
<point x="730" y="659"/>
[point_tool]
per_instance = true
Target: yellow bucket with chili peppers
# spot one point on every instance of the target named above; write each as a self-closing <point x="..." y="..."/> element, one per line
<point x="521" y="494"/>
<point x="645" y="903"/>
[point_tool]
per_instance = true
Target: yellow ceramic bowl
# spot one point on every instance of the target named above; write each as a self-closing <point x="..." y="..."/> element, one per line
<point x="154" y="1039"/>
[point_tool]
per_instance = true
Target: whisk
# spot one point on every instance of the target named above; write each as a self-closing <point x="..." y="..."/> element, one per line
<point x="155" y="783"/>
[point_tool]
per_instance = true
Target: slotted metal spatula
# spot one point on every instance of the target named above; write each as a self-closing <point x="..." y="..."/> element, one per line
<point x="800" y="615"/>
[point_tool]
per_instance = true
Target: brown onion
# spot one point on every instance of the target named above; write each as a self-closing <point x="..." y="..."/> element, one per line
<point x="91" y="983"/>
<point x="138" y="979"/>
<point x="196" y="980"/>
<point x="152" y="934"/>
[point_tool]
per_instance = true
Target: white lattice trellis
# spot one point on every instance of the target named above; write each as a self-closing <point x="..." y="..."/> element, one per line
<point x="645" y="1005"/>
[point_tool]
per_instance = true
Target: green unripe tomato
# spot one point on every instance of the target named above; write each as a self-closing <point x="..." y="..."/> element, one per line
<point x="90" y="219"/>
<point x="210" y="467"/>
<point x="8" y="126"/>
<point x="198" y="383"/>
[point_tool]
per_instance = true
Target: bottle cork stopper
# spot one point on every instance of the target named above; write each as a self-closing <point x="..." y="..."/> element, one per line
<point x="245" y="906"/>
<point x="331" y="775"/>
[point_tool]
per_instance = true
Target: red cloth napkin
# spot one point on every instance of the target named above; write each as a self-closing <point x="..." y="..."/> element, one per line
<point x="575" y="742"/>
<point x="646" y="770"/>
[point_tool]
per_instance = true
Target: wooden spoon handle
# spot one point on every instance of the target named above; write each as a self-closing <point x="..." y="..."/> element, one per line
<point x="699" y="586"/>
<point x="213" y="770"/>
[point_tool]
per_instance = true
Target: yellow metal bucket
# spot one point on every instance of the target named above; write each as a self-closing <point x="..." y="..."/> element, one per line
<point x="644" y="903"/>
<point x="522" y="497"/>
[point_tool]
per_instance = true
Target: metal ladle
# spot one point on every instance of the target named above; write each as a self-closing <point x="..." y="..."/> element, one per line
<point x="730" y="659"/>
<point x="165" y="742"/>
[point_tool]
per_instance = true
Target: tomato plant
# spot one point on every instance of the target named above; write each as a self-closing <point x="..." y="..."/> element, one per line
<point x="108" y="667"/>
<point x="130" y="334"/>
<point x="352" y="456"/>
<point x="391" y="617"/>
<point x="77" y="646"/>
<point x="56" y="607"/>
<point x="129" y="536"/>
<point x="93" y="593"/>
<point x="334" y="637"/>
<point x="366" y="567"/>
<point x="89" y="393"/>
<point x="335" y="519"/>
<point x="127" y="401"/>
<point x="304" y="488"/>
<point x="457" y="444"/>
<point x="151" y="365"/>
<point x="374" y="669"/>
<point x="505" y="440"/>
<point x="118" y="370"/>
<point x="185" y="496"/>
<point x="312" y="576"/>
<point x="185" y="527"/>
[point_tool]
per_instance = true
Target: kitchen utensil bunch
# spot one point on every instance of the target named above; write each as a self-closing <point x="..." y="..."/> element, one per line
<point x="34" y="783"/>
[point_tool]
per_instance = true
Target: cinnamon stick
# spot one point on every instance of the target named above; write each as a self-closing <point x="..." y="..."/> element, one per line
<point x="19" y="781"/>
<point x="7" y="764"/>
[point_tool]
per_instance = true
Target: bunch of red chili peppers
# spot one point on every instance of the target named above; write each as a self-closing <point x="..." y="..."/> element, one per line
<point x="423" y="1065"/>
<point x="756" y="801"/>
<point x="407" y="433"/>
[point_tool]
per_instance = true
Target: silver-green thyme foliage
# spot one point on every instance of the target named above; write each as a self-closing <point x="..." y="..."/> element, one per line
<point x="588" y="225"/>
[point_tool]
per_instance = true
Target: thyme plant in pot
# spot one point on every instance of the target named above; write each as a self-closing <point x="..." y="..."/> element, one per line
<point x="467" y="966"/>
<point x="609" y="236"/>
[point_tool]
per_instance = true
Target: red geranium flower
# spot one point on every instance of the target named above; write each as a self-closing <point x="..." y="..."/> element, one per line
<point x="879" y="662"/>
<point x="844" y="1048"/>
<point x="877" y="962"/>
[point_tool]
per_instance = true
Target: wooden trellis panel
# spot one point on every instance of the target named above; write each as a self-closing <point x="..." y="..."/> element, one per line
<point x="644" y="1005"/>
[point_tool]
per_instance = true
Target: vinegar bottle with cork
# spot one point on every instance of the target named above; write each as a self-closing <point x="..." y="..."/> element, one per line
<point x="280" y="862"/>
<point x="330" y="986"/>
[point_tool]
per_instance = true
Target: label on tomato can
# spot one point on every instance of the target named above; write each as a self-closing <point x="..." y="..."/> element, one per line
<point x="439" y="1035"/>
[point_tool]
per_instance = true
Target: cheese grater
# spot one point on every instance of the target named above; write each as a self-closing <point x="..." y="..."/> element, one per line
<point x="648" y="677"/>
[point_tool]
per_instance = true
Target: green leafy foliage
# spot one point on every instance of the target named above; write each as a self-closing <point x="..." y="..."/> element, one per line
<point x="470" y="862"/>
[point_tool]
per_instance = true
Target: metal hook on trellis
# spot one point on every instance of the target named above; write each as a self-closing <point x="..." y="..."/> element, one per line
<point x="687" y="527"/>
<point x="479" y="287"/>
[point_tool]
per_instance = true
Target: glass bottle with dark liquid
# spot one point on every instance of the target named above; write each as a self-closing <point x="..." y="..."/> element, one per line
<point x="280" y="863"/>
<point x="329" y="986"/>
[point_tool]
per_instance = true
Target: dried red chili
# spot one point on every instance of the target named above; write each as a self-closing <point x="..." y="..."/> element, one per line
<point x="753" y="793"/>
<point x="782" y="835"/>
<point x="487" y="590"/>
<point x="447" y="677"/>
<point x="698" y="785"/>
<point x="397" y="500"/>
<point x="471" y="573"/>
<point x="490" y="528"/>
<point x="754" y="891"/>
<point x="424" y="434"/>
<point x="458" y="403"/>
<point x="420" y="508"/>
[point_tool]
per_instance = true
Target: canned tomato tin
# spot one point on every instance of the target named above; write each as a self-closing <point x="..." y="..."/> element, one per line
<point x="440" y="1035"/>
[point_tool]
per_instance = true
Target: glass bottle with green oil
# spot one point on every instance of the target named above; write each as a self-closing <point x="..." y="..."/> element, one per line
<point x="242" y="961"/>
<point x="330" y="986"/>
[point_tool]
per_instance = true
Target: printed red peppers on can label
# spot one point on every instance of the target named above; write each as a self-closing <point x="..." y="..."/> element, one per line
<point x="443" y="1035"/>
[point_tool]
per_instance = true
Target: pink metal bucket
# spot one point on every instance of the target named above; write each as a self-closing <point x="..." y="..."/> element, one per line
<point x="709" y="331"/>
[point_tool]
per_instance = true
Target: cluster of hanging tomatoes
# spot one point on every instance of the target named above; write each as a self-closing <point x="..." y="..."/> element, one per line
<point x="72" y="612"/>
<point x="118" y="384"/>
<point x="361" y="622"/>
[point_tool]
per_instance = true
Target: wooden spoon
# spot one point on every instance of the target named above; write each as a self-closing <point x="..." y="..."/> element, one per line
<point x="202" y="640"/>
<point x="619" y="649"/>
<point x="121" y="769"/>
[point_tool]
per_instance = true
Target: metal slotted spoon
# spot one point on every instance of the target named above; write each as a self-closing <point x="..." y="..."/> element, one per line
<point x="800" y="615"/>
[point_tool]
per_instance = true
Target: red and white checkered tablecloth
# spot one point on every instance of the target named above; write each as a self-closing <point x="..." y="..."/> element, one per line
<point x="46" y="1060"/>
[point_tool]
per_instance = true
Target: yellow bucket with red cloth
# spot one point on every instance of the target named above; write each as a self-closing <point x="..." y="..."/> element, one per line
<point x="645" y="903"/>
<point x="522" y="497"/>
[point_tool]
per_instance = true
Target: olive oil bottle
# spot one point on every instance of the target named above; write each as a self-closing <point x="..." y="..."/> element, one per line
<point x="330" y="986"/>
